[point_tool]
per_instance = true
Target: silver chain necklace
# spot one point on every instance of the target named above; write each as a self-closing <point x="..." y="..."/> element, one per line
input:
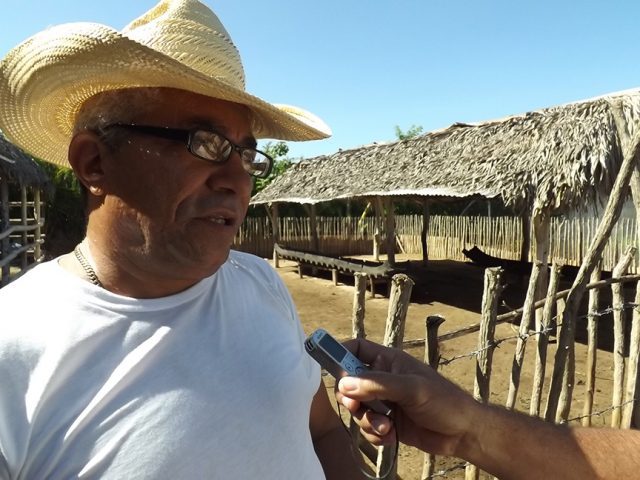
<point x="86" y="266"/>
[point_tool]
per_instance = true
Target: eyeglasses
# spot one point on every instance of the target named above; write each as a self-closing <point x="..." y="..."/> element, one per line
<point x="208" y="145"/>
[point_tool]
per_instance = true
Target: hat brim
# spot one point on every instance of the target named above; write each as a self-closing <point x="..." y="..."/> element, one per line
<point x="45" y="80"/>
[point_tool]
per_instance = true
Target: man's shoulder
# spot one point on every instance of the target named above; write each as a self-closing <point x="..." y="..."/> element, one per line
<point x="250" y="262"/>
<point x="37" y="276"/>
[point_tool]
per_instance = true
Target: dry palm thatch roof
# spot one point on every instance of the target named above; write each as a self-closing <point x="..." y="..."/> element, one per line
<point x="552" y="159"/>
<point x="18" y="167"/>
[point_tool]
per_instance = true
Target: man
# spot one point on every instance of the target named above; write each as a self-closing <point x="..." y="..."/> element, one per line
<point x="151" y="351"/>
<point x="436" y="416"/>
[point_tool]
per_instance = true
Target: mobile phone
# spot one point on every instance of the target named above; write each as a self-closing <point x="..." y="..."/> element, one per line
<point x="340" y="362"/>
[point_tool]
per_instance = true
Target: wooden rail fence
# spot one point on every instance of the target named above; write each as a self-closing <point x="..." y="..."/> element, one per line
<point x="21" y="237"/>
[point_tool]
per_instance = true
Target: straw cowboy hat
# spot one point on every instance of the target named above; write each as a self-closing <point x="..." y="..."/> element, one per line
<point x="178" y="43"/>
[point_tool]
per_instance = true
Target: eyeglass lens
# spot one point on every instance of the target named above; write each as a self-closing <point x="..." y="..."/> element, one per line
<point x="215" y="147"/>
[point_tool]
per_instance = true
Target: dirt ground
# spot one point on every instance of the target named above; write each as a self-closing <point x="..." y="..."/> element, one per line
<point x="453" y="290"/>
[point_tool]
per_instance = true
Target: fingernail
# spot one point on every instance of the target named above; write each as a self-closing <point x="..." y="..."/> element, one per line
<point x="380" y="425"/>
<point x="348" y="384"/>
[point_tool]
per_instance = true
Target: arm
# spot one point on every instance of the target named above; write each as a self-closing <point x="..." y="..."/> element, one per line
<point x="436" y="416"/>
<point x="330" y="439"/>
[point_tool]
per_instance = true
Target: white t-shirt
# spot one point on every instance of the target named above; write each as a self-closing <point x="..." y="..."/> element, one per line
<point x="210" y="383"/>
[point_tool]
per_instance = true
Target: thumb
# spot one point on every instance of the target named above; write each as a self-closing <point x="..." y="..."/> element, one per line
<point x="400" y="389"/>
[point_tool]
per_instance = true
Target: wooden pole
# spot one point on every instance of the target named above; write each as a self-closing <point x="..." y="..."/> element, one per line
<point x="390" y="231"/>
<point x="38" y="232"/>
<point x="378" y="222"/>
<point x="523" y="334"/>
<point x="525" y="247"/>
<point x="431" y="358"/>
<point x="568" y="374"/>
<point x="486" y="338"/>
<point x="618" y="336"/>
<point x="632" y="385"/>
<point x="543" y="340"/>
<point x="401" y="286"/>
<point x="4" y="225"/>
<point x="399" y="299"/>
<point x="424" y="233"/>
<point x="24" y="261"/>
<point x="592" y="348"/>
<point x="541" y="231"/>
<point x="315" y="240"/>
<point x="484" y="359"/>
<point x="357" y="318"/>
<point x="272" y="212"/>
<point x="631" y="155"/>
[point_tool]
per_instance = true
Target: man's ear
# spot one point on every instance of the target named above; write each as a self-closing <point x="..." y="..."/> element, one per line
<point x="86" y="156"/>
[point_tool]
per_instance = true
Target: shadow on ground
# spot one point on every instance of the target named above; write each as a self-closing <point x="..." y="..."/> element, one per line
<point x="461" y="284"/>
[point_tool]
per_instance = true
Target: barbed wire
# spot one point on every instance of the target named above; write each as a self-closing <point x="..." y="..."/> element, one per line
<point x="549" y="329"/>
<point x="601" y="412"/>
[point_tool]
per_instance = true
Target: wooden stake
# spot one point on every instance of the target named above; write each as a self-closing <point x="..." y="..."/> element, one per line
<point x="401" y="286"/>
<point x="632" y="385"/>
<point x="431" y="358"/>
<point x="592" y="349"/>
<point x="618" y="336"/>
<point x="490" y="301"/>
<point x="357" y="318"/>
<point x="543" y="340"/>
<point x="523" y="334"/>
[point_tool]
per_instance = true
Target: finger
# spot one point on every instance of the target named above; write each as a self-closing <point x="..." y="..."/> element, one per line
<point x="383" y="386"/>
<point x="349" y="403"/>
<point x="376" y="428"/>
<point x="377" y="440"/>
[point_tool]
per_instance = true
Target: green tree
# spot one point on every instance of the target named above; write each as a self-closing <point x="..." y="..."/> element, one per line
<point x="413" y="131"/>
<point x="278" y="152"/>
<point x="64" y="211"/>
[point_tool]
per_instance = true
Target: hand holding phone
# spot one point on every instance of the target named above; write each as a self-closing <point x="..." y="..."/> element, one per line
<point x="340" y="362"/>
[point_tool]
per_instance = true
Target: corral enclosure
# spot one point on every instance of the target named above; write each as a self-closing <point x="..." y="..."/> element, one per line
<point x="454" y="290"/>
<point x="472" y="340"/>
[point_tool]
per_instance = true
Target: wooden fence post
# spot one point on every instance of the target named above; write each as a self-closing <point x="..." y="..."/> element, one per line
<point x="523" y="334"/>
<point x="272" y="212"/>
<point x="631" y="387"/>
<point x="401" y="286"/>
<point x="24" y="260"/>
<point x="490" y="300"/>
<point x="431" y="358"/>
<point x="592" y="257"/>
<point x="357" y="319"/>
<point x="592" y="348"/>
<point x="5" y="224"/>
<point x="568" y="371"/>
<point x="618" y="336"/>
<point x="38" y="232"/>
<point x="543" y="340"/>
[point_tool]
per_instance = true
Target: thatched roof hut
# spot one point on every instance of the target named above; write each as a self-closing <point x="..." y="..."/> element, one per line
<point x="542" y="162"/>
<point x="17" y="167"/>
<point x="21" y="180"/>
<point x="553" y="159"/>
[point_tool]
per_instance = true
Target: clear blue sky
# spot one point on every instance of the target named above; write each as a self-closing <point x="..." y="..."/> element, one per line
<point x="365" y="66"/>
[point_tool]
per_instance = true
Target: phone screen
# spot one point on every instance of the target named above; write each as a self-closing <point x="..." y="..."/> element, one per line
<point x="336" y="350"/>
